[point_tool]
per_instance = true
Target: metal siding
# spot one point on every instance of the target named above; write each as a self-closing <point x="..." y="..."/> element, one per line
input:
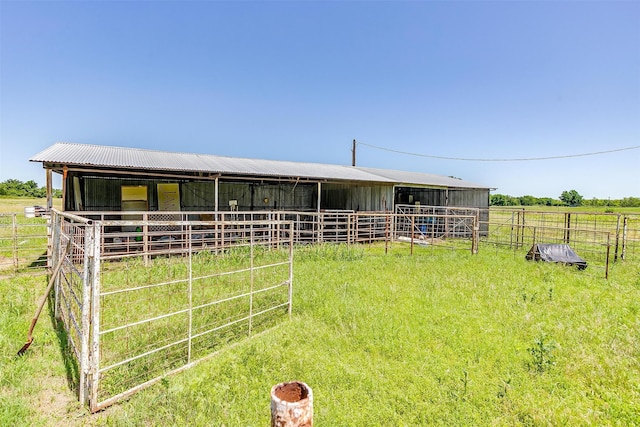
<point x="358" y="198"/>
<point x="469" y="198"/>
<point x="198" y="196"/>
<point x="101" y="194"/>
<point x="241" y="192"/>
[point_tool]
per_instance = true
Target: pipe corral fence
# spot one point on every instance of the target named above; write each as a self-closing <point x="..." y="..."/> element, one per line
<point x="23" y="243"/>
<point x="142" y="295"/>
<point x="132" y="318"/>
<point x="600" y="238"/>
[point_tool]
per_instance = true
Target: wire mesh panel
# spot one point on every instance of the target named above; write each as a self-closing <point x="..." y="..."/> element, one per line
<point x="435" y="222"/>
<point x="23" y="243"/>
<point x="630" y="237"/>
<point x="372" y="227"/>
<point x="600" y="242"/>
<point x="159" y="315"/>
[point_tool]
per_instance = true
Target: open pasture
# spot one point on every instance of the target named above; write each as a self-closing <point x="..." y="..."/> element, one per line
<point x="442" y="337"/>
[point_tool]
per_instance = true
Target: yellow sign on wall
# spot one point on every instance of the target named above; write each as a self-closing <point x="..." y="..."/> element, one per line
<point x="134" y="192"/>
<point x="168" y="197"/>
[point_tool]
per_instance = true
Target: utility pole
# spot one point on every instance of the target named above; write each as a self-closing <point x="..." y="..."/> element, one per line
<point x="353" y="153"/>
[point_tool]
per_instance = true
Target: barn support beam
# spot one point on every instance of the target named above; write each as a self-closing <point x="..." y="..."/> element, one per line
<point x="65" y="173"/>
<point x="216" y="195"/>
<point x="49" y="179"/>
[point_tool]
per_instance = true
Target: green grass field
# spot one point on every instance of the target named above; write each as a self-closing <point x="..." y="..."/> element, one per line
<point x="17" y="204"/>
<point x="439" y="338"/>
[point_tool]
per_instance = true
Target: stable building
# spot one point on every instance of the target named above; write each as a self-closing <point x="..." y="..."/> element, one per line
<point x="107" y="178"/>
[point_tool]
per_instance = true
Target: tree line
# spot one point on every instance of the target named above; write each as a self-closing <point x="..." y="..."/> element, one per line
<point x="567" y="198"/>
<point x="17" y="188"/>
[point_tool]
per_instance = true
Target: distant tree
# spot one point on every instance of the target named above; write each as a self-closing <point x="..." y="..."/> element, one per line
<point x="571" y="198"/>
<point x="528" y="201"/>
<point x="502" y="200"/>
<point x="630" y="202"/>
<point x="17" y="188"/>
<point x="546" y="201"/>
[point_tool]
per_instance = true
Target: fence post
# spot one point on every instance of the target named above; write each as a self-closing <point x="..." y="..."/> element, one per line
<point x="55" y="256"/>
<point x="521" y="243"/>
<point x="386" y="233"/>
<point x="291" y="241"/>
<point x="615" y="256"/>
<point x="475" y="236"/>
<point x="84" y="321"/>
<point x="413" y="224"/>
<point x="512" y="229"/>
<point x="190" y="289"/>
<point x="624" y="237"/>
<point x="251" y="276"/>
<point x="145" y="238"/>
<point x="606" y="270"/>
<point x="567" y="228"/>
<point x="14" y="241"/>
<point x="93" y="381"/>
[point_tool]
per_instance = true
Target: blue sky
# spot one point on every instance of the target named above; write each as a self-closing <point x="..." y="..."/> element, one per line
<point x="300" y="80"/>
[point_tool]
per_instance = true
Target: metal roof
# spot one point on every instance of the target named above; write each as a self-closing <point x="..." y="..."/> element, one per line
<point x="100" y="156"/>
<point x="413" y="178"/>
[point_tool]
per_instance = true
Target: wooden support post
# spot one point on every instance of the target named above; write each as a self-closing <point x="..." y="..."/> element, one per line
<point x="65" y="172"/>
<point x="49" y="190"/>
<point x="216" y="195"/>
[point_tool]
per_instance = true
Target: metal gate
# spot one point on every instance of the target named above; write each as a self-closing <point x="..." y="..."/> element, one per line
<point x="134" y="317"/>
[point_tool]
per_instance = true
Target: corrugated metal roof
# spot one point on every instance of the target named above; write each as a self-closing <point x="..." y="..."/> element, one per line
<point x="134" y="158"/>
<point x="406" y="177"/>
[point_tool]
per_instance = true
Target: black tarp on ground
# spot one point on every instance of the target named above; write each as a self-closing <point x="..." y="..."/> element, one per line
<point x="552" y="252"/>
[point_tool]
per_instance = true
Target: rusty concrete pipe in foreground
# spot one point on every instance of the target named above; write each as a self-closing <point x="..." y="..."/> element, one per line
<point x="291" y="405"/>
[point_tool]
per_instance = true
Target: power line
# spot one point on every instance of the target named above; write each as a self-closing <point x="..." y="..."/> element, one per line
<point x="523" y="159"/>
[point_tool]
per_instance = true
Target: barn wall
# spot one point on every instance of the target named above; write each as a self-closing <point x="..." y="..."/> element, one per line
<point x="279" y="196"/>
<point x="104" y="194"/>
<point x="198" y="196"/>
<point x="357" y="197"/>
<point x="471" y="198"/>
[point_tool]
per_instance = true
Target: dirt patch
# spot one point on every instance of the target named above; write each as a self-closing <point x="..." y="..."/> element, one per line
<point x="291" y="392"/>
<point x="58" y="405"/>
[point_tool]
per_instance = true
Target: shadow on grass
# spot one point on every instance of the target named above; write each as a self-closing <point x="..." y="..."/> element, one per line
<point x="39" y="262"/>
<point x="71" y="367"/>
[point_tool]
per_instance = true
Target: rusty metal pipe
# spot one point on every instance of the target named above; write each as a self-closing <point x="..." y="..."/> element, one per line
<point x="43" y="300"/>
<point x="291" y="405"/>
